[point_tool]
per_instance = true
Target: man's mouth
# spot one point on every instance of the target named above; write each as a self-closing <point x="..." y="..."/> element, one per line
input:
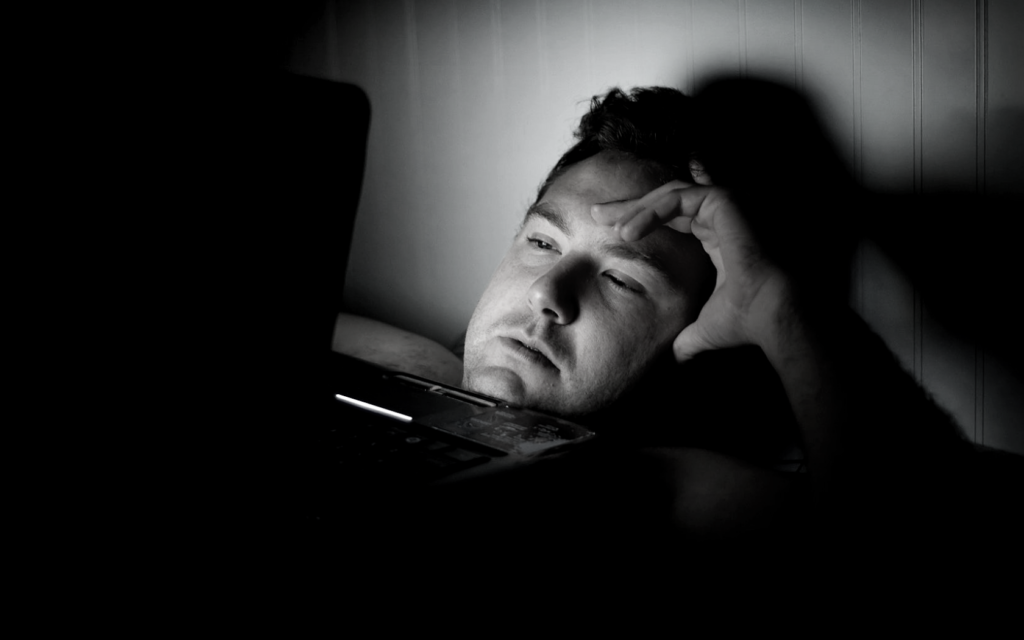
<point x="529" y="352"/>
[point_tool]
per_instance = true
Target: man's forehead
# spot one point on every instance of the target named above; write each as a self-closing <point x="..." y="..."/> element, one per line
<point x="605" y="177"/>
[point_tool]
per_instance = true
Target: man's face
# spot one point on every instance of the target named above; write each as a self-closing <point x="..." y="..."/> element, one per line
<point x="574" y="316"/>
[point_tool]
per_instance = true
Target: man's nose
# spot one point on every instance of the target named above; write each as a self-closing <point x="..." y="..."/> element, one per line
<point x="555" y="294"/>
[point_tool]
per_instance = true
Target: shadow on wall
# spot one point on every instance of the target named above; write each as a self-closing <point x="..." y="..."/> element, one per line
<point x="960" y="250"/>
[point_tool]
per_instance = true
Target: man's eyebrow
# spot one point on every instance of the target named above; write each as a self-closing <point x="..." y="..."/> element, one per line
<point x="632" y="254"/>
<point x="550" y="213"/>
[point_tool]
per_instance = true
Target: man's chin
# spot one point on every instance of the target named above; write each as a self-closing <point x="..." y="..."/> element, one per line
<point x="508" y="385"/>
<point x="498" y="382"/>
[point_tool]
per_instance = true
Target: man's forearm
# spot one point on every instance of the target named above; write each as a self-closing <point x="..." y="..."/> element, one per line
<point x="805" y="354"/>
<point x="867" y="427"/>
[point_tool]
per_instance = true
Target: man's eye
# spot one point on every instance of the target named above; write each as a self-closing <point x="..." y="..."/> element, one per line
<point x="540" y="244"/>
<point x="621" y="284"/>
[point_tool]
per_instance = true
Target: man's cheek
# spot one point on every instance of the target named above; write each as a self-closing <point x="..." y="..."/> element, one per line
<point x="619" y="360"/>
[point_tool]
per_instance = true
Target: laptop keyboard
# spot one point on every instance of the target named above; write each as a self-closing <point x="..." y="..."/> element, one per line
<point x="365" y="445"/>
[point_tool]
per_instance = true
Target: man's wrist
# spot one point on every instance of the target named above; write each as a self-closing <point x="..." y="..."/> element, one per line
<point x="797" y="324"/>
<point x="777" y="316"/>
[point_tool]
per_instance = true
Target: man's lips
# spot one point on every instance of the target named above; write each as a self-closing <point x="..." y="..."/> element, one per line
<point x="529" y="350"/>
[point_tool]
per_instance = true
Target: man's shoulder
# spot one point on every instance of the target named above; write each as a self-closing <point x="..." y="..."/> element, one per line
<point x="394" y="348"/>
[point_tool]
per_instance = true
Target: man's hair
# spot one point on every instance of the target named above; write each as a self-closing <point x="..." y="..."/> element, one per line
<point x="760" y="140"/>
<point x="651" y="125"/>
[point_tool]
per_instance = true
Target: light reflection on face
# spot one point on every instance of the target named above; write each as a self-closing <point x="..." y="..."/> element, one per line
<point x="573" y="316"/>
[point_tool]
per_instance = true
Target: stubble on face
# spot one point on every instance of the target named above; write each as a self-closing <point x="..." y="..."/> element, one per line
<point x="517" y="351"/>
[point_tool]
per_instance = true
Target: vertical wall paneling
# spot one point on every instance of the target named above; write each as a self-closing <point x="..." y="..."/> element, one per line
<point x="1004" y="151"/>
<point x="887" y="80"/>
<point x="857" y="266"/>
<point x="415" y="92"/>
<point x="616" y="45"/>
<point x="481" y="201"/>
<point x="915" y="45"/>
<point x="562" y="57"/>
<point x="432" y="33"/>
<point x="413" y="178"/>
<point x="527" y="117"/>
<point x="741" y="24"/>
<point x="981" y="109"/>
<point x="846" y="79"/>
<point x="949" y="162"/>
<point x="888" y="302"/>
<point x="798" y="42"/>
<point x="949" y="96"/>
<point x="382" y="207"/>
<point x="588" y="25"/>
<point x="357" y="37"/>
<point x="498" y="40"/>
<point x="980" y="91"/>
<point x="567" y="52"/>
<point x="691" y="76"/>
<point x="664" y="55"/>
<point x="949" y="368"/>
<point x="543" y="35"/>
<point x="769" y="33"/>
<point x="856" y="21"/>
<point x="1003" y="399"/>
<point x="521" y="70"/>
<point x="716" y="39"/>
<point x="828" y="72"/>
<point x="918" y="46"/>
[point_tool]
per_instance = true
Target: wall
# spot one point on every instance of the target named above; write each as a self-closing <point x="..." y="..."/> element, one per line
<point x="474" y="100"/>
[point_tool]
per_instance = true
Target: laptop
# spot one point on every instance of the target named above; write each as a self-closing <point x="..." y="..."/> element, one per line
<point x="382" y="432"/>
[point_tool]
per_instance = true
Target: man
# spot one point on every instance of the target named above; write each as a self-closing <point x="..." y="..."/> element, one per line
<point x="597" y="292"/>
<point x="632" y="253"/>
<point x="666" y="287"/>
<point x="591" y="296"/>
<point x="664" y="268"/>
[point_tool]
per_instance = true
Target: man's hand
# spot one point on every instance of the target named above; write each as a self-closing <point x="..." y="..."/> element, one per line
<point x="750" y="291"/>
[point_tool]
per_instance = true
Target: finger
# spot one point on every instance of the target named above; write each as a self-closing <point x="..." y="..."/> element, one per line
<point x="676" y="209"/>
<point x="612" y="213"/>
<point x="656" y="213"/>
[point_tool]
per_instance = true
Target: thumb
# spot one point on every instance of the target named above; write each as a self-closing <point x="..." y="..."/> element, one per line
<point x="690" y="341"/>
